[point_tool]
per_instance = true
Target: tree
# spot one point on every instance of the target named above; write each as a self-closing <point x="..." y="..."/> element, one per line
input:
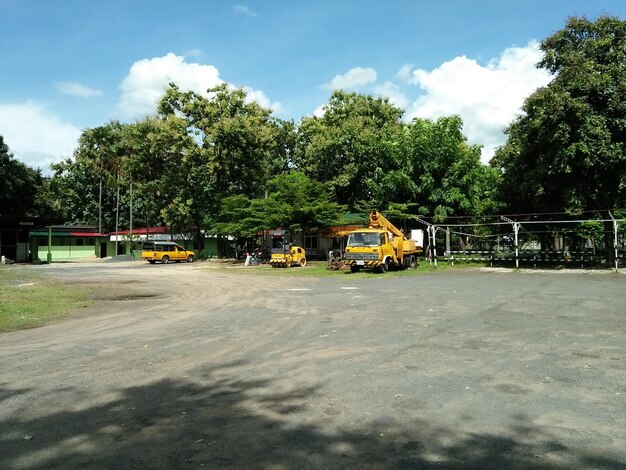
<point x="294" y="202"/>
<point x="23" y="190"/>
<point x="88" y="187"/>
<point x="348" y="144"/>
<point x="567" y="151"/>
<point x="232" y="146"/>
<point x="440" y="171"/>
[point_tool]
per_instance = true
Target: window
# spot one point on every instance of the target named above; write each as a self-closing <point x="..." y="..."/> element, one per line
<point x="311" y="242"/>
<point x="80" y="242"/>
<point x="60" y="241"/>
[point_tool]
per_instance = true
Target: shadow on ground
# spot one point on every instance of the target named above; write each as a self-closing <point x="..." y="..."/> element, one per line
<point x="227" y="423"/>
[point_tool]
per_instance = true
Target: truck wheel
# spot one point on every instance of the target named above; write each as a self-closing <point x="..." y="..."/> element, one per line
<point x="165" y="259"/>
<point x="384" y="267"/>
<point x="190" y="259"/>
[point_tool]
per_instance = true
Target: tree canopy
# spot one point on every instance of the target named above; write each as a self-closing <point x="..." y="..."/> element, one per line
<point x="567" y="151"/>
<point x="23" y="190"/>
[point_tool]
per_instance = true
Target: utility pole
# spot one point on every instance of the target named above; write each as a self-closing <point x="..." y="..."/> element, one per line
<point x="131" y="215"/>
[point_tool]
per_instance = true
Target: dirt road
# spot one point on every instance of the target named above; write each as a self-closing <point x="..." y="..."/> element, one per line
<point x="183" y="366"/>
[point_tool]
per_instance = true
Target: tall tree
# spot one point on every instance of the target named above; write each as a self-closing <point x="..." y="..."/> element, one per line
<point x="88" y="186"/>
<point x="294" y="201"/>
<point x="348" y="144"/>
<point x="233" y="147"/>
<point x="23" y="190"/>
<point x="567" y="151"/>
<point x="433" y="168"/>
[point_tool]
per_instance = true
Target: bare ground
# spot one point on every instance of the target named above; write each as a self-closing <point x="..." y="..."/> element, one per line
<point x="185" y="366"/>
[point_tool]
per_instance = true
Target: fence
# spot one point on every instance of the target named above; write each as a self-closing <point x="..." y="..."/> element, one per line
<point x="530" y="243"/>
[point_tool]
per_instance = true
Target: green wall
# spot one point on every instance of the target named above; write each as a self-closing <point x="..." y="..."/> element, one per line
<point x="64" y="248"/>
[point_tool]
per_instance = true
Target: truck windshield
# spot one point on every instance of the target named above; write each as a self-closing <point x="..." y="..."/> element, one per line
<point x="363" y="239"/>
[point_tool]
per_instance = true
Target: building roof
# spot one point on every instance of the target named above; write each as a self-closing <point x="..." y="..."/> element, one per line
<point x="143" y="231"/>
<point x="68" y="231"/>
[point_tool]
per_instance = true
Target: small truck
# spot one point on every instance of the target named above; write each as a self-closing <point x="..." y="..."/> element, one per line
<point x="381" y="247"/>
<point x="284" y="254"/>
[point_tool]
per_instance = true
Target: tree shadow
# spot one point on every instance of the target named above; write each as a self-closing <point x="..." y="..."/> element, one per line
<point x="224" y="422"/>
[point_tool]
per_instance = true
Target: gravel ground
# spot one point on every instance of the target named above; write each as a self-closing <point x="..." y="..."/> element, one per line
<point x="184" y="366"/>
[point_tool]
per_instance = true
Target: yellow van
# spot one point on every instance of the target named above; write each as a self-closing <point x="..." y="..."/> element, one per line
<point x="165" y="252"/>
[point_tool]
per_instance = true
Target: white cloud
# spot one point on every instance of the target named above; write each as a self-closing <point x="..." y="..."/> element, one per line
<point x="244" y="10"/>
<point x="261" y="98"/>
<point x="320" y="111"/>
<point x="392" y="91"/>
<point x="405" y="73"/>
<point x="77" y="89"/>
<point x="148" y="79"/>
<point x="35" y="136"/>
<point x="193" y="53"/>
<point x="487" y="97"/>
<point x="355" y="77"/>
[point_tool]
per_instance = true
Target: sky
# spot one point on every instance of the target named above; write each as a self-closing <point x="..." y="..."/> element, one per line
<point x="69" y="65"/>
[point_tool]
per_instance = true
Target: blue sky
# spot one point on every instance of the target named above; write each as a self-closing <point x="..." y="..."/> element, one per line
<point x="66" y="65"/>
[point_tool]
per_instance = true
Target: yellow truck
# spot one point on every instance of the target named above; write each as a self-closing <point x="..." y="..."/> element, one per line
<point x="284" y="254"/>
<point x="381" y="247"/>
<point x="288" y="256"/>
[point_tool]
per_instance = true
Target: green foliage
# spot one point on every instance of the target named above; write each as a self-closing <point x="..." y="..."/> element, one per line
<point x="295" y="202"/>
<point x="23" y="190"/>
<point x="441" y="172"/>
<point x="349" y="144"/>
<point x="568" y="150"/>
<point x="223" y="164"/>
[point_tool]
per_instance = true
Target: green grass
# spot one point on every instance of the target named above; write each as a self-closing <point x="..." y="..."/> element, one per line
<point x="319" y="269"/>
<point x="28" y="300"/>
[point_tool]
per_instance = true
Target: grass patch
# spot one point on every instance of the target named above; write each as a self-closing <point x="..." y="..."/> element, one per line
<point x="28" y="300"/>
<point x="320" y="269"/>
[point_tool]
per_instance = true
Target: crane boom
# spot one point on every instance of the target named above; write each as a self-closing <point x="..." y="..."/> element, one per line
<point x="378" y="221"/>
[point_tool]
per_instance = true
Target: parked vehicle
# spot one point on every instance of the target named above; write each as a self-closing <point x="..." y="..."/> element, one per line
<point x="164" y="252"/>
<point x="284" y="254"/>
<point x="381" y="246"/>
<point x="289" y="256"/>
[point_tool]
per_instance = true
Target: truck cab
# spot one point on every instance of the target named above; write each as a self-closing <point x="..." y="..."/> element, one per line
<point x="381" y="246"/>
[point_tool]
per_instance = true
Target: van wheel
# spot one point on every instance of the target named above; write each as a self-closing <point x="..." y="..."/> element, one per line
<point x="165" y="259"/>
<point x="190" y="259"/>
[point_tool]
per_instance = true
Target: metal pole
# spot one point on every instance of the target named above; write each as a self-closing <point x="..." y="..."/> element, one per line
<point x="131" y="216"/>
<point x="615" y="243"/>
<point x="434" y="230"/>
<point x="49" y="257"/>
<point x="516" y="229"/>
<point x="100" y="200"/>
<point x="615" y="240"/>
<point x="117" y="212"/>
